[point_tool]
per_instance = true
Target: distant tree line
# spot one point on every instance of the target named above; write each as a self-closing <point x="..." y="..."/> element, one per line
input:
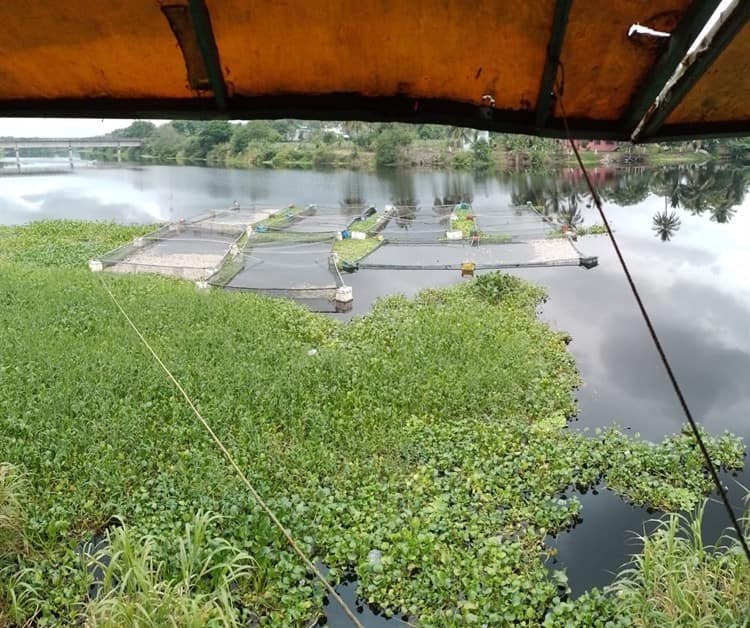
<point x="296" y="143"/>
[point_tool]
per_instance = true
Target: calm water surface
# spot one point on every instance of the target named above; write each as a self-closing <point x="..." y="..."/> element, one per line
<point x="695" y="285"/>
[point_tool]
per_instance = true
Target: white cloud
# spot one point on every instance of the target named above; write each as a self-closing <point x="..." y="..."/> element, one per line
<point x="58" y="127"/>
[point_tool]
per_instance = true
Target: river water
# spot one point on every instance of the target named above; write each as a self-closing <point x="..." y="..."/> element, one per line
<point x="695" y="282"/>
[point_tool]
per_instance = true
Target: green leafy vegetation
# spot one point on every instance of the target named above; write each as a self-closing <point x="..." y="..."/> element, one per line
<point x="595" y="229"/>
<point x="463" y="221"/>
<point x="64" y="243"/>
<point x="495" y="238"/>
<point x="389" y="144"/>
<point x="11" y="515"/>
<point x="391" y="453"/>
<point x="355" y="144"/>
<point x="580" y="230"/>
<point x="354" y="250"/>
<point x="677" y="580"/>
<point x="135" y="592"/>
<point x="278" y="220"/>
<point x="367" y="224"/>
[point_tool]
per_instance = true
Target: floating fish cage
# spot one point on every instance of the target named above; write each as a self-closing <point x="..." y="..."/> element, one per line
<point x="297" y="269"/>
<point x="527" y="254"/>
<point x="232" y="220"/>
<point x="184" y="250"/>
<point x="290" y="253"/>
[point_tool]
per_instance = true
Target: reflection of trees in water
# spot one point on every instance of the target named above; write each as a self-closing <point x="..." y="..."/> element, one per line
<point x="714" y="189"/>
<point x="403" y="194"/>
<point x="666" y="183"/>
<point x="454" y="188"/>
<point x="405" y="215"/>
<point x="352" y="201"/>
<point x="665" y="224"/>
<point x="554" y="195"/>
<point x="562" y="199"/>
<point x="629" y="188"/>
<point x="528" y="187"/>
<point x="258" y="189"/>
<point x="570" y="214"/>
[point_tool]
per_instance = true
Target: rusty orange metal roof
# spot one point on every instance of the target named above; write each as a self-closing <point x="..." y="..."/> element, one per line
<point x="483" y="63"/>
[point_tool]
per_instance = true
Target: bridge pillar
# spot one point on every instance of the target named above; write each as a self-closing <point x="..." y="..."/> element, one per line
<point x="18" y="159"/>
<point x="70" y="155"/>
<point x="119" y="154"/>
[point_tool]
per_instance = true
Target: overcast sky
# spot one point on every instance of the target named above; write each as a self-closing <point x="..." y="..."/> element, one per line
<point x="58" y="127"/>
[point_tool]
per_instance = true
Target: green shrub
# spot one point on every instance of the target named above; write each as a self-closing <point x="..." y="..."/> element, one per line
<point x="12" y="485"/>
<point x="678" y="581"/>
<point x="138" y="590"/>
<point x="388" y="144"/>
<point x="481" y="154"/>
<point x="462" y="160"/>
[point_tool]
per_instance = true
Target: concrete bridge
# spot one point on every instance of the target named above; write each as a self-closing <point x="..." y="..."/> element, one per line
<point x="18" y="144"/>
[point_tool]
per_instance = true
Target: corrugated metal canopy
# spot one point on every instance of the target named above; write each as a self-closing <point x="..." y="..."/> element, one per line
<point x="481" y="63"/>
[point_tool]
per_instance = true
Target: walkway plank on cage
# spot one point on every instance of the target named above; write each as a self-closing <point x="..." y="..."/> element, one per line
<point x="534" y="253"/>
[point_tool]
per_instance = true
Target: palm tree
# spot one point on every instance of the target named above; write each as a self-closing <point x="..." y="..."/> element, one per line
<point x="666" y="183"/>
<point x="723" y="211"/>
<point x="665" y="224"/>
<point x="729" y="191"/>
<point x="695" y="187"/>
<point x="570" y="216"/>
<point x="553" y="199"/>
<point x="629" y="189"/>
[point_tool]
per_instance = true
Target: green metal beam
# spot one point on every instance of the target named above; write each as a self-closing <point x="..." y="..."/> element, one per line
<point x="210" y="53"/>
<point x="694" y="72"/>
<point x="682" y="37"/>
<point x="544" y="101"/>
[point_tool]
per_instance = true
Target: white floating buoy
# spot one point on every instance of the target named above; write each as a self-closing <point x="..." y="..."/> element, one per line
<point x="95" y="266"/>
<point x="344" y="294"/>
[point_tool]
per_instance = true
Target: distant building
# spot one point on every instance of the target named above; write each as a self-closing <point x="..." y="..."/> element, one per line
<point x="301" y="134"/>
<point x="337" y="129"/>
<point x="477" y="136"/>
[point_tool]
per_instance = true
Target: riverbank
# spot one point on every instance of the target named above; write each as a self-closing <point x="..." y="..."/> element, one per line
<point x="438" y="155"/>
<point x="355" y="442"/>
<point x="367" y="146"/>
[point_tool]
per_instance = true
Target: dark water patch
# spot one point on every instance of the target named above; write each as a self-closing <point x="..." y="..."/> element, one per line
<point x="594" y="549"/>
<point x="335" y="617"/>
<point x="94" y="553"/>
